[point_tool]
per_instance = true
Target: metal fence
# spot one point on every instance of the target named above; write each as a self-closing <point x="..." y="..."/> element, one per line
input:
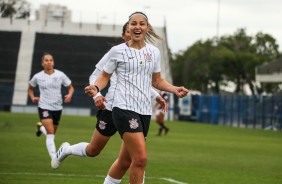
<point x="238" y="110"/>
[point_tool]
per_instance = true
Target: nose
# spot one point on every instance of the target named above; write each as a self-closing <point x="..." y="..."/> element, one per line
<point x="137" y="26"/>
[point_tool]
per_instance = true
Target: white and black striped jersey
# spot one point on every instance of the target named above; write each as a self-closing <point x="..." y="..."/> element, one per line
<point x="134" y="69"/>
<point x="110" y="94"/>
<point x="50" y="88"/>
<point x="97" y="72"/>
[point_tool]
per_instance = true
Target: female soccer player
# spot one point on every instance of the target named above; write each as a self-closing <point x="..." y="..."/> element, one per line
<point x="160" y="115"/>
<point x="137" y="66"/>
<point x="50" y="102"/>
<point x="104" y="127"/>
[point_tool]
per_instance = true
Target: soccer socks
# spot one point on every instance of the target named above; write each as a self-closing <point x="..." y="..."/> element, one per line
<point x="43" y="130"/>
<point x="50" y="144"/>
<point x="110" y="180"/>
<point x="77" y="149"/>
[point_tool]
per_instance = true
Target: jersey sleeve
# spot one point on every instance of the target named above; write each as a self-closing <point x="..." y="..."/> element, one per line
<point x="154" y="93"/>
<point x="111" y="62"/>
<point x="33" y="81"/>
<point x="65" y="80"/>
<point x="99" y="68"/>
<point x="102" y="62"/>
<point x="94" y="76"/>
<point x="157" y="67"/>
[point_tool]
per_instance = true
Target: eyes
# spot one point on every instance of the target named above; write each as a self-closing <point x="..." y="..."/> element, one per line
<point x="48" y="60"/>
<point x="135" y="23"/>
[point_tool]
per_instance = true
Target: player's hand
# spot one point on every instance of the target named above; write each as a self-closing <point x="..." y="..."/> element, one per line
<point x="99" y="102"/>
<point x="181" y="91"/>
<point x="67" y="98"/>
<point x="35" y="99"/>
<point x="90" y="90"/>
<point x="163" y="103"/>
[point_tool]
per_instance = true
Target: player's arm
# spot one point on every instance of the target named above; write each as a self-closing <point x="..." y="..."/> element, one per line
<point x="102" y="80"/>
<point x="92" y="79"/>
<point x="159" y="83"/>
<point x="160" y="101"/>
<point x="33" y="98"/>
<point x="104" y="77"/>
<point x="70" y="94"/>
<point x="99" y="85"/>
<point x="99" y="99"/>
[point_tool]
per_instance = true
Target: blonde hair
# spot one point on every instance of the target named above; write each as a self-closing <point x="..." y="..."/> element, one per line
<point x="151" y="35"/>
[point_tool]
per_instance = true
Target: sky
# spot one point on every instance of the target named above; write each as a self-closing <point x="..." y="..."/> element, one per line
<point x="186" y="21"/>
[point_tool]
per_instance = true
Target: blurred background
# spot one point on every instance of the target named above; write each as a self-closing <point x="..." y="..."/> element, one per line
<point x="227" y="53"/>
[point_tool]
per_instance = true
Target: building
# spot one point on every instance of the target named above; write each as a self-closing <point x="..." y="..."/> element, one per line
<point x="76" y="48"/>
<point x="270" y="72"/>
<point x="53" y="12"/>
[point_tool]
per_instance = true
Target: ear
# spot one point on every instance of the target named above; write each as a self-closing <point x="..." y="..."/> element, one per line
<point x="148" y="28"/>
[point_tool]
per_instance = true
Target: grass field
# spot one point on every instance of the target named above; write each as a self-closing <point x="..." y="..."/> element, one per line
<point x="191" y="153"/>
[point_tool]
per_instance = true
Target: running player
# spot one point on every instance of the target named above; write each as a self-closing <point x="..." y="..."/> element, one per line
<point x="137" y="66"/>
<point x="104" y="127"/>
<point x="160" y="115"/>
<point x="50" y="101"/>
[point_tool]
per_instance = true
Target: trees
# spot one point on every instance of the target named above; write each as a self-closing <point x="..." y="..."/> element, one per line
<point x="18" y="8"/>
<point x="207" y="64"/>
<point x="242" y="68"/>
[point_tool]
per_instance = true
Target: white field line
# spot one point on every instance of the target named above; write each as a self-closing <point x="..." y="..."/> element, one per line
<point x="81" y="175"/>
<point x="173" y="181"/>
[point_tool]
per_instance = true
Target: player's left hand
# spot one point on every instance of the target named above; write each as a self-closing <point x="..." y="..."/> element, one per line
<point x="67" y="98"/>
<point x="181" y="91"/>
<point x="163" y="103"/>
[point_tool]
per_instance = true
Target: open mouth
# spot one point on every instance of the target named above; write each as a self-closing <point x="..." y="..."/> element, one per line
<point x="137" y="32"/>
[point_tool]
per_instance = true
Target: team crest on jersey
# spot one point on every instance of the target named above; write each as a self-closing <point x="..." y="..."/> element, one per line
<point x="102" y="125"/>
<point x="133" y="123"/>
<point x="45" y="114"/>
<point x="148" y="57"/>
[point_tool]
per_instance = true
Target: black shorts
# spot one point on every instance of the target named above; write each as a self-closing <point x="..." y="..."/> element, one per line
<point x="47" y="114"/>
<point x="105" y="125"/>
<point x="130" y="121"/>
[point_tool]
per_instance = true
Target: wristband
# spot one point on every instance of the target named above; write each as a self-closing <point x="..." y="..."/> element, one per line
<point x="97" y="88"/>
<point x="98" y="94"/>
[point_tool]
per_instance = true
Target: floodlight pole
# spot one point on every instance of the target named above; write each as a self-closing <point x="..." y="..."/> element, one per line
<point x="217" y="22"/>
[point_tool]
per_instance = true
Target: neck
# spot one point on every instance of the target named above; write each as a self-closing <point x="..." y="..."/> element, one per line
<point x="49" y="71"/>
<point x="137" y="45"/>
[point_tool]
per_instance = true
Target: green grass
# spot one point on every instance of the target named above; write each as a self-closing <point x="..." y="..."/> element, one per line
<point x="191" y="153"/>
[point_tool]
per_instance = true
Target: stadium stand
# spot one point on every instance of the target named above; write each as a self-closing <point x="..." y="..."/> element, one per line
<point x="76" y="49"/>
<point x="9" y="49"/>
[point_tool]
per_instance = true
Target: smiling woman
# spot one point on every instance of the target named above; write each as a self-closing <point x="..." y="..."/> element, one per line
<point x="137" y="65"/>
